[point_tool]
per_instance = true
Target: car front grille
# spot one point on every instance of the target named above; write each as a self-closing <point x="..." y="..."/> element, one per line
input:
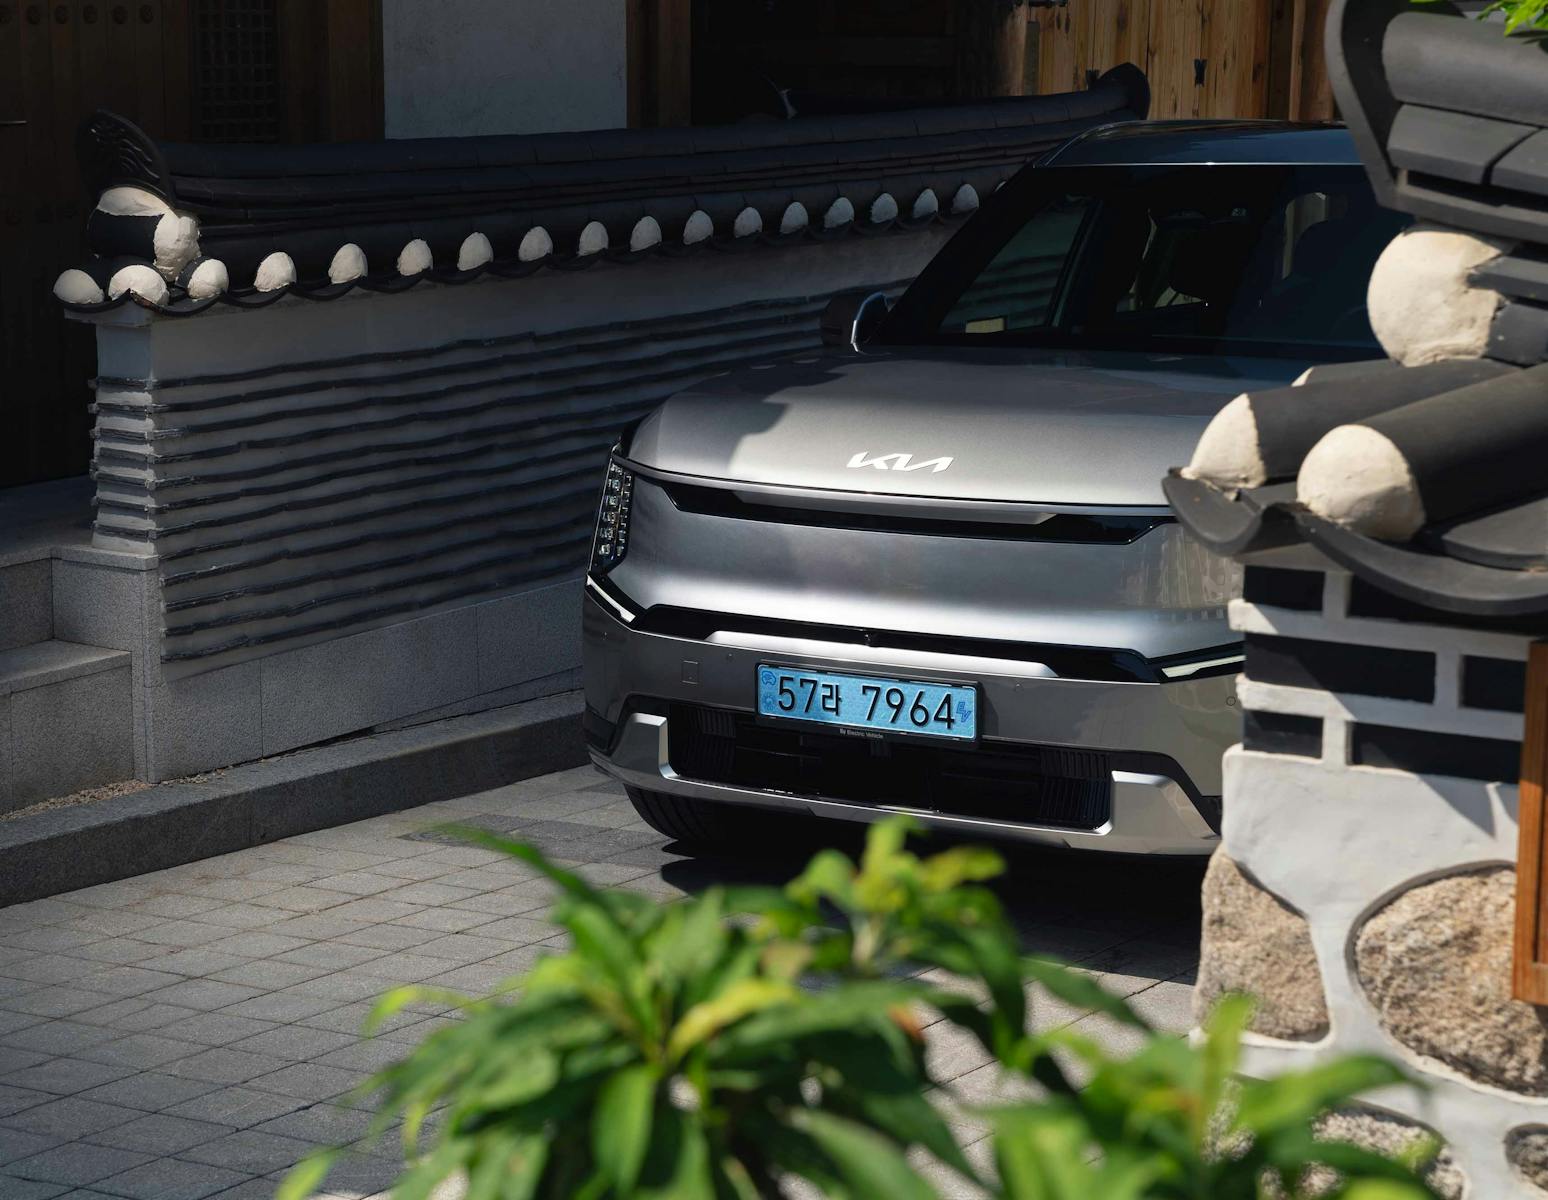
<point x="1023" y="785"/>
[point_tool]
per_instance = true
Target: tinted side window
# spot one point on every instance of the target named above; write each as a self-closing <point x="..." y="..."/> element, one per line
<point x="1017" y="290"/>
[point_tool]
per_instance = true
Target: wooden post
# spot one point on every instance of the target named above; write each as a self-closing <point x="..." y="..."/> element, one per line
<point x="660" y="62"/>
<point x="1529" y="977"/>
<point x="991" y="48"/>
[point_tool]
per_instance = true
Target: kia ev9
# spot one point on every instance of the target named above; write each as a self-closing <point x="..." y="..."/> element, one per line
<point x="930" y="570"/>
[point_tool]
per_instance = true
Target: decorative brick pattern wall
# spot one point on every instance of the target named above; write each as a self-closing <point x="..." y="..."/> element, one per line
<point x="1374" y="795"/>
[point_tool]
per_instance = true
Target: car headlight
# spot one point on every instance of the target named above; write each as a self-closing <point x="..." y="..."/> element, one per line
<point x="612" y="537"/>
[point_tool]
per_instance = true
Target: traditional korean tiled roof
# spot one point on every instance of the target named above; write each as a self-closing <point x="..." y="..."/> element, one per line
<point x="181" y="227"/>
<point x="1424" y="479"/>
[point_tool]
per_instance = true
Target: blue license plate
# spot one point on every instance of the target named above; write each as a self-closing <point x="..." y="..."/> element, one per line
<point x="863" y="702"/>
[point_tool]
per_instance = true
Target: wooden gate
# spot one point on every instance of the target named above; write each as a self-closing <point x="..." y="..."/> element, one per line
<point x="218" y="70"/>
<point x="1205" y="58"/>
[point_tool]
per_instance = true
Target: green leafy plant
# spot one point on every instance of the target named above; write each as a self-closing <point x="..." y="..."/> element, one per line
<point x="1520" y="14"/>
<point x="1175" y="1121"/>
<point x="721" y="1045"/>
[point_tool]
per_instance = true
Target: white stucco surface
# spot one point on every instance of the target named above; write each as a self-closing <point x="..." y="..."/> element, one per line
<point x="463" y="67"/>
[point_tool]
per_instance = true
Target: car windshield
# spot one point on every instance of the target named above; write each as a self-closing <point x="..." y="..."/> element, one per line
<point x="1243" y="259"/>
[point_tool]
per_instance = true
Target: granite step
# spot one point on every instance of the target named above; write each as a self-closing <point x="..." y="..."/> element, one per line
<point x="41" y="663"/>
<point x="66" y="720"/>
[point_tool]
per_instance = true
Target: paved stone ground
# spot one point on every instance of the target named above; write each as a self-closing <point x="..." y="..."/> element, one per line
<point x="192" y="1032"/>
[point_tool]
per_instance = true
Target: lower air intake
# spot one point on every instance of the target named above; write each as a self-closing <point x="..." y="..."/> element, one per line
<point x="1023" y="785"/>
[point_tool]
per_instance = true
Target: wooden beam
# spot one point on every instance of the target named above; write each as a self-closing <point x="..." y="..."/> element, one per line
<point x="1529" y="974"/>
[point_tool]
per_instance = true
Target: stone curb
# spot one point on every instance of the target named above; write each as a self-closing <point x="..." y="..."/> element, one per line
<point x="172" y="823"/>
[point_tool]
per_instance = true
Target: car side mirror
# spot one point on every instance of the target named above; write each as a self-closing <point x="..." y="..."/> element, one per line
<point x="851" y="318"/>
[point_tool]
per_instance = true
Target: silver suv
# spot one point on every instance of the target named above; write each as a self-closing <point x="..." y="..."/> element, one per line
<point x="931" y="569"/>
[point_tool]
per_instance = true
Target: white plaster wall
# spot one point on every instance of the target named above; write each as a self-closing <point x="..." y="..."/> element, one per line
<point x="462" y="67"/>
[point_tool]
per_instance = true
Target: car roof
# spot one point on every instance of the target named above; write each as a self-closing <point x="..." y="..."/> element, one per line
<point x="1166" y="143"/>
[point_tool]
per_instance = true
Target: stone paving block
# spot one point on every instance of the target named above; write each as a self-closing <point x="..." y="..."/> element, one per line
<point x="304" y="898"/>
<point x="70" y="1118"/>
<point x="149" y="1092"/>
<point x="298" y="1043"/>
<point x="429" y="893"/>
<point x="196" y="963"/>
<point x="60" y="1001"/>
<point x="134" y="1015"/>
<point x="181" y="934"/>
<point x="172" y="1179"/>
<point x="118" y="950"/>
<point x="340" y="987"/>
<point x="445" y="920"/>
<point x="125" y="980"/>
<point x="15" y="1099"/>
<point x="220" y="1028"/>
<point x="316" y="927"/>
<point x="162" y="1134"/>
<point x="370" y="1056"/>
<point x="238" y="1107"/>
<point x="309" y="1081"/>
<point x="351" y="1018"/>
<point x="463" y="947"/>
<point x="41" y="968"/>
<point x="517" y="931"/>
<point x="334" y="955"/>
<point x="280" y="1007"/>
<point x="402" y="968"/>
<point x="110" y="922"/>
<point x="248" y="915"/>
<point x="14" y="1188"/>
<point x="252" y="1151"/>
<point x="388" y="937"/>
<point x="205" y="995"/>
<point x="223" y="1065"/>
<point x="254" y="944"/>
<point x="23" y="1143"/>
<point x="65" y="1076"/>
<point x="77" y="1163"/>
<point x="57" y="1037"/>
<point x="357" y="883"/>
<point x="321" y="1124"/>
<point x="141" y="1051"/>
<point x="172" y="904"/>
<point x="268" y="972"/>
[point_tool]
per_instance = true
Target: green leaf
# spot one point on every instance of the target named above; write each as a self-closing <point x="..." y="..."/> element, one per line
<point x="307" y="1176"/>
<point x="620" y="1126"/>
<point x="870" y="1165"/>
<point x="959" y="865"/>
<point x="824" y="1012"/>
<point x="392" y="1003"/>
<point x="1296" y="1098"/>
<point x="1383" y="1189"/>
<point x="908" y="1117"/>
<point x="1080" y="990"/>
<point x="703" y="1021"/>
<point x="828" y="876"/>
<point x="677" y="1166"/>
<point x="524" y="1075"/>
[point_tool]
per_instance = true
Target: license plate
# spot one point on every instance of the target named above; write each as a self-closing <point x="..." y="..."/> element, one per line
<point x="864" y="702"/>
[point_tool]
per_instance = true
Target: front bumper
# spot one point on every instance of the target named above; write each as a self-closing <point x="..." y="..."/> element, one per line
<point x="1163" y="741"/>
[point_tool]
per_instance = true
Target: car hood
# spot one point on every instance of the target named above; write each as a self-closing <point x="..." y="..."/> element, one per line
<point x="998" y="425"/>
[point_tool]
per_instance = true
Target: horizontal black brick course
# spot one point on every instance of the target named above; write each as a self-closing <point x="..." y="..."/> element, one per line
<point x="1340" y="667"/>
<point x="1283" y="588"/>
<point x="1368" y="601"/>
<point x="1279" y="733"/>
<point x="1425" y="752"/>
<point x="1494" y="683"/>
